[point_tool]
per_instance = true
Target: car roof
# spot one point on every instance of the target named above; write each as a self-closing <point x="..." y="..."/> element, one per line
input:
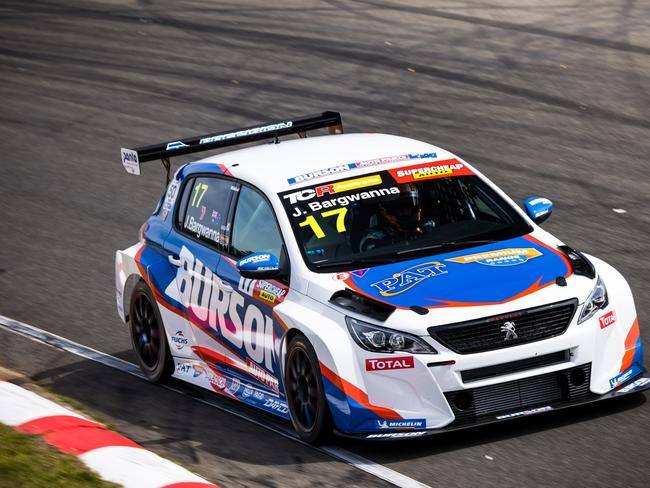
<point x="270" y="167"/>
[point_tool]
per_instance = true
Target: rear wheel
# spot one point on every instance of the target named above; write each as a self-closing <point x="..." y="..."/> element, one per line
<point x="148" y="335"/>
<point x="310" y="412"/>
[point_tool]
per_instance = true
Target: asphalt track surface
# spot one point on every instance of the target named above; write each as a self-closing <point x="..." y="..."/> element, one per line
<point x="546" y="97"/>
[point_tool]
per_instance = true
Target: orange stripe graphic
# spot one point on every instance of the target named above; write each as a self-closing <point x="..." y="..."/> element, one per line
<point x="358" y="395"/>
<point x="630" y="345"/>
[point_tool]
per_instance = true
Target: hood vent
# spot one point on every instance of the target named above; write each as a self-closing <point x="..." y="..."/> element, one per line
<point x="579" y="262"/>
<point x="351" y="300"/>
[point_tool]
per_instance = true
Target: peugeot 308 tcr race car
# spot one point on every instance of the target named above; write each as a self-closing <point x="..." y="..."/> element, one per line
<point x="371" y="285"/>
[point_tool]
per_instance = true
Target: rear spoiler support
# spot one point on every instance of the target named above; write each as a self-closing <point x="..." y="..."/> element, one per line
<point x="131" y="158"/>
<point x="168" y="168"/>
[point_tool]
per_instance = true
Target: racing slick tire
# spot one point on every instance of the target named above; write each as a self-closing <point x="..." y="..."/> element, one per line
<point x="148" y="335"/>
<point x="310" y="413"/>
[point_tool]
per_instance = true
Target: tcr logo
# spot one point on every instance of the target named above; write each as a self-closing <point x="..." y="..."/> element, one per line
<point x="300" y="196"/>
<point x="407" y="279"/>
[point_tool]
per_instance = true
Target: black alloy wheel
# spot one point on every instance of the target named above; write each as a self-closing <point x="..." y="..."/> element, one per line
<point x="310" y="412"/>
<point x="148" y="335"/>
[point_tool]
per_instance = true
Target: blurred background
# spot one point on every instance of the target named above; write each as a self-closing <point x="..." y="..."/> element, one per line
<point x="545" y="97"/>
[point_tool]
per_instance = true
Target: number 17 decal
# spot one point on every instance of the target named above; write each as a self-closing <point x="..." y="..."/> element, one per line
<point x="199" y="191"/>
<point x="318" y="230"/>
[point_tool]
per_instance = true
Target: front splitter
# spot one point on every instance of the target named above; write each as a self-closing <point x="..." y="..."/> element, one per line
<point x="635" y="385"/>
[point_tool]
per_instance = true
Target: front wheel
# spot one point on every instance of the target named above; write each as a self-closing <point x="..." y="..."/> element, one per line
<point x="308" y="406"/>
<point x="148" y="335"/>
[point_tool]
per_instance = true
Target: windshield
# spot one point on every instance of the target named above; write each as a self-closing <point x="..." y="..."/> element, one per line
<point x="398" y="214"/>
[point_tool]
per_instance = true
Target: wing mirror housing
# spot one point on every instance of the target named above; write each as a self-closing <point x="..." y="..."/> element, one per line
<point x="260" y="265"/>
<point x="538" y="208"/>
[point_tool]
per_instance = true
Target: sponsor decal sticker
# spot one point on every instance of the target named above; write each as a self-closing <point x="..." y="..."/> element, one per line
<point x="428" y="171"/>
<point x="183" y="368"/>
<point x="622" y="378"/>
<point x="540" y="200"/>
<point x="341" y="276"/>
<point x="402" y="424"/>
<point x="500" y="257"/>
<point x="247" y="132"/>
<point x="524" y="413"/>
<point x="395" y="435"/>
<point x="234" y="386"/>
<point x="263" y="290"/>
<point x="198" y="370"/>
<point x="383" y="364"/>
<point x="175" y="145"/>
<point x="170" y="197"/>
<point x="309" y="194"/>
<point x="261" y="374"/>
<point x="130" y="161"/>
<point x="635" y="385"/>
<point x="360" y="164"/>
<point x="179" y="340"/>
<point x="607" y="319"/>
<point x="266" y="296"/>
<point x="255" y="258"/>
<point x="407" y="279"/>
<point x="348" y="185"/>
<point x="271" y="288"/>
<point x="359" y="273"/>
<point x="276" y="405"/>
<point x="218" y="382"/>
<point x="319" y="173"/>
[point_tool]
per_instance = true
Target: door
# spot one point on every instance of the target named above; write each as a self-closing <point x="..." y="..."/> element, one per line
<point x="255" y="229"/>
<point x="194" y="244"/>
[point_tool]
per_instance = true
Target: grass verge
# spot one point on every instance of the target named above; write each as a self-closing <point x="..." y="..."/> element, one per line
<point x="27" y="461"/>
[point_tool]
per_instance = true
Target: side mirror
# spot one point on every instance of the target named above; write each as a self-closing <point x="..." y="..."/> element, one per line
<point x="538" y="208"/>
<point x="259" y="265"/>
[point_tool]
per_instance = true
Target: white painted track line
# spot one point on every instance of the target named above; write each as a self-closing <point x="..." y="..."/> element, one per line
<point x="58" y="342"/>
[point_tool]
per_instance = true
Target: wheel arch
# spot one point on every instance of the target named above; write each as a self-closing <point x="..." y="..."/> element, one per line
<point x="325" y="329"/>
<point x="127" y="275"/>
<point x="129" y="285"/>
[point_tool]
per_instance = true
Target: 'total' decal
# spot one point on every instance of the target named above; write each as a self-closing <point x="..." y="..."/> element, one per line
<point x="607" y="319"/>
<point x="382" y="364"/>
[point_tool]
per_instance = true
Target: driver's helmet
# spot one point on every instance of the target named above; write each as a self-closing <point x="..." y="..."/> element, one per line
<point x="403" y="208"/>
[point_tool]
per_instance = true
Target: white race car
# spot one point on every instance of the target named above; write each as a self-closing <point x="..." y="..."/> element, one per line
<point x="367" y="284"/>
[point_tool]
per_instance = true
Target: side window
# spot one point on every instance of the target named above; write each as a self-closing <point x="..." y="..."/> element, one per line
<point x="254" y="226"/>
<point x="486" y="208"/>
<point x="203" y="211"/>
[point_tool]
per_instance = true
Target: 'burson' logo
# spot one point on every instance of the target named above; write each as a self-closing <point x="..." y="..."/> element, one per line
<point x="243" y="326"/>
<point x="381" y="364"/>
<point x="407" y="279"/>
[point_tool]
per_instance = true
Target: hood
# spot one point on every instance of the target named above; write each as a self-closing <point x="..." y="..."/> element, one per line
<point x="489" y="274"/>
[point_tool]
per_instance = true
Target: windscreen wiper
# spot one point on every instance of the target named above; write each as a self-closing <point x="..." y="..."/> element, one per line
<point x="444" y="244"/>
<point x="355" y="263"/>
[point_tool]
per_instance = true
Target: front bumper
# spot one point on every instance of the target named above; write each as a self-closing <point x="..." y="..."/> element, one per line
<point x="515" y="381"/>
<point x="583" y="397"/>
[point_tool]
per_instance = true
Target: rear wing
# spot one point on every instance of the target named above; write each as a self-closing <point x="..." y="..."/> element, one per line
<point x="131" y="158"/>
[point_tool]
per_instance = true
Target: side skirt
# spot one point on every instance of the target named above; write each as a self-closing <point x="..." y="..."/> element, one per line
<point x="198" y="373"/>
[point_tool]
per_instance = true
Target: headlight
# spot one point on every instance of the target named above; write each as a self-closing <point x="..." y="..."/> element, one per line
<point x="379" y="339"/>
<point x="597" y="300"/>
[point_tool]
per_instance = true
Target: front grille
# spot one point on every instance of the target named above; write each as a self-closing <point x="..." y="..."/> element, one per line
<point x="514" y="366"/>
<point x="489" y="333"/>
<point x="472" y="405"/>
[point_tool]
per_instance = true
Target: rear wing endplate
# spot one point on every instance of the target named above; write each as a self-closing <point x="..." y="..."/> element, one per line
<point x="131" y="158"/>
